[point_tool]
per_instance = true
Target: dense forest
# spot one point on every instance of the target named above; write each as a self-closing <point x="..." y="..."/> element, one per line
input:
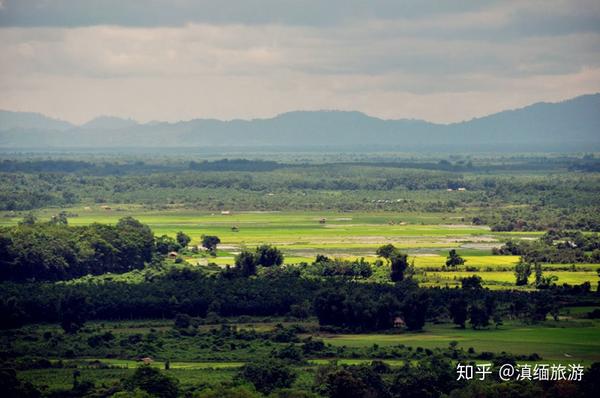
<point x="53" y="251"/>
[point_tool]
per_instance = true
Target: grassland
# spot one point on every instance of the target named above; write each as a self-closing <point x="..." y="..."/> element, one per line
<point x="426" y="237"/>
<point x="53" y="379"/>
<point x="555" y="343"/>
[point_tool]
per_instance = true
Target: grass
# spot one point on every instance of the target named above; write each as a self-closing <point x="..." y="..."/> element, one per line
<point x="470" y="261"/>
<point x="62" y="378"/>
<point x="125" y="363"/>
<point x="508" y="277"/>
<point x="131" y="364"/>
<point x="426" y="237"/>
<point x="573" y="339"/>
<point x="54" y="379"/>
<point x="570" y="340"/>
<point x="301" y="235"/>
<point x="296" y="230"/>
<point x="566" y="342"/>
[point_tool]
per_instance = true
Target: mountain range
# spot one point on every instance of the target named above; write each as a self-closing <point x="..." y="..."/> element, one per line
<point x="569" y="125"/>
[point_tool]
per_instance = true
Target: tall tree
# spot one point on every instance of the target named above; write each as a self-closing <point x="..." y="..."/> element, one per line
<point x="73" y="309"/>
<point x="183" y="239"/>
<point x="399" y="263"/>
<point x="539" y="274"/>
<point x="245" y="263"/>
<point x="210" y="242"/>
<point x="454" y="259"/>
<point x="522" y="273"/>
<point x="414" y="310"/>
<point x="166" y="244"/>
<point x="478" y="315"/>
<point x="458" y="311"/>
<point x="268" y="256"/>
<point x="386" y="251"/>
<point x="136" y="242"/>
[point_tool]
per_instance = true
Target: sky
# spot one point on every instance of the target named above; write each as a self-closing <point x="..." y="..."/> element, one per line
<point x="441" y="61"/>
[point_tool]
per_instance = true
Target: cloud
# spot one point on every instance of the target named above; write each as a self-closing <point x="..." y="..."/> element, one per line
<point x="521" y="18"/>
<point x="441" y="61"/>
<point x="151" y="13"/>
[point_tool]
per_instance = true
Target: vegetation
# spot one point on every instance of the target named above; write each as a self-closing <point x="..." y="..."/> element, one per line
<point x="525" y="200"/>
<point x="210" y="243"/>
<point x="454" y="259"/>
<point x="54" y="251"/>
<point x="304" y="290"/>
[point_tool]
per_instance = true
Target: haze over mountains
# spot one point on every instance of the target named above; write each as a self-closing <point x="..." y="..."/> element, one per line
<point x="569" y="125"/>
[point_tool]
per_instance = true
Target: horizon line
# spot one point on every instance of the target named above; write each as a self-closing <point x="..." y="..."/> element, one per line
<point x="128" y="118"/>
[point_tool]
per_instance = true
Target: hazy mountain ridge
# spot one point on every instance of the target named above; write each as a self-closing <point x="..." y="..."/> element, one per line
<point x="30" y="120"/>
<point x="109" y="123"/>
<point x="572" y="122"/>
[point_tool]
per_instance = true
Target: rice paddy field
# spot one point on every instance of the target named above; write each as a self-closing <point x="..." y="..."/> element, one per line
<point x="571" y="340"/>
<point x="426" y="237"/>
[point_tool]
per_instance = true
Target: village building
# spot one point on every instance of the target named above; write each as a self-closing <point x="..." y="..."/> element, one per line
<point x="399" y="322"/>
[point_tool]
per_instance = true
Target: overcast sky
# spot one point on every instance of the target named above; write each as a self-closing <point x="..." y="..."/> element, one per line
<point x="441" y="61"/>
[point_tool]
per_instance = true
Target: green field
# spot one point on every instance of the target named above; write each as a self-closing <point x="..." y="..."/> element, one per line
<point x="559" y="343"/>
<point x="63" y="378"/>
<point x="570" y="340"/>
<point x="207" y="325"/>
<point x="351" y="231"/>
<point x="426" y="237"/>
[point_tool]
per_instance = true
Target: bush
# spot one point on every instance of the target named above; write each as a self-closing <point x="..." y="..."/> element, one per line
<point x="290" y="353"/>
<point x="268" y="374"/>
<point x="152" y="381"/>
<point x="594" y="314"/>
<point x="229" y="392"/>
<point x="182" y="321"/>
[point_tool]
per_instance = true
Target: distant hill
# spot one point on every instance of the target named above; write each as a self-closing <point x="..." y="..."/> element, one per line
<point x="569" y="125"/>
<point x="109" y="123"/>
<point x="27" y="120"/>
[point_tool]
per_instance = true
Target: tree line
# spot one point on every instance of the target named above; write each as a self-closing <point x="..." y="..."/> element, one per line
<point x="555" y="246"/>
<point x="54" y="251"/>
<point x="352" y="305"/>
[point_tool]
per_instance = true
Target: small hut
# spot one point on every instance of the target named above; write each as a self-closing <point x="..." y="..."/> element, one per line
<point x="146" y="360"/>
<point x="399" y="322"/>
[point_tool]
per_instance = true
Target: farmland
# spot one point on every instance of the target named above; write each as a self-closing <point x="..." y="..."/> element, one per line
<point x="346" y="273"/>
<point x="299" y="199"/>
<point x="426" y="237"/>
<point x="571" y="339"/>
